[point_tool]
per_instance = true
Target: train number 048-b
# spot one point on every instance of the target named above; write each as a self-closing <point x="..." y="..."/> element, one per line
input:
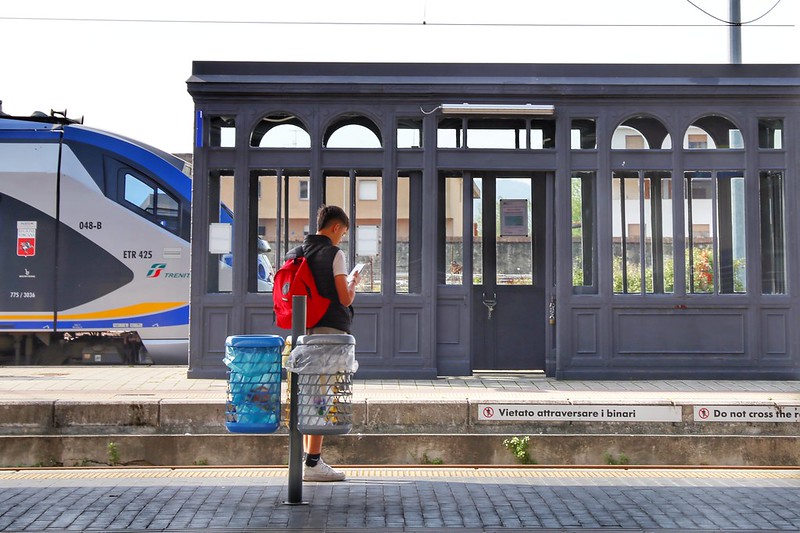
<point x="90" y="225"/>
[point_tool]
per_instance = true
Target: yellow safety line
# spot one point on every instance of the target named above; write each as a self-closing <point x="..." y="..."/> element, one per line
<point x="400" y="472"/>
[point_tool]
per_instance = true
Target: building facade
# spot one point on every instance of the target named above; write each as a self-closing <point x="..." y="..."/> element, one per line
<point x="587" y="221"/>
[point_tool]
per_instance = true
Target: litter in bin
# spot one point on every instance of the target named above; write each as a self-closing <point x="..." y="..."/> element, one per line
<point x="324" y="365"/>
<point x="254" y="383"/>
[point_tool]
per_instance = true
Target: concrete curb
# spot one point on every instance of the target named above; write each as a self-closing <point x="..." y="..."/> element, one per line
<point x="383" y="449"/>
<point x="169" y="417"/>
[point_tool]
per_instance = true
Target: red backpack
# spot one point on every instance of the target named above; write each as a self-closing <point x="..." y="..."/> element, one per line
<point x="294" y="278"/>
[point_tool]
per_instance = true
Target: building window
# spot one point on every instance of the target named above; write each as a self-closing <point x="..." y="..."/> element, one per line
<point x="713" y="132"/>
<point x="409" y="133"/>
<point x="770" y="133"/>
<point x="367" y="189"/>
<point x="641" y="132"/>
<point x="583" y="134"/>
<point x="584" y="217"/>
<point x="773" y="251"/>
<point x="715" y="232"/>
<point x="280" y="130"/>
<point x="697" y="141"/>
<point x="303" y="190"/>
<point x="634" y="142"/>
<point x="222" y="132"/>
<point x="408" y="239"/>
<point x="220" y="245"/>
<point x="362" y="244"/>
<point x="642" y="232"/>
<point x="353" y="131"/>
<point x="498" y="133"/>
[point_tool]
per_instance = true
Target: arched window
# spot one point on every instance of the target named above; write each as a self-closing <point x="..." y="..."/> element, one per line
<point x="713" y="132"/>
<point x="280" y="130"/>
<point x="352" y="131"/>
<point x="641" y="132"/>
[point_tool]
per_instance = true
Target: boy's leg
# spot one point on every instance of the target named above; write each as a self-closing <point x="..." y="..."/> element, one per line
<point x="312" y="444"/>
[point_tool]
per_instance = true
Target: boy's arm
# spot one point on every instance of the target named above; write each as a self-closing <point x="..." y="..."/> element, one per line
<point x="346" y="290"/>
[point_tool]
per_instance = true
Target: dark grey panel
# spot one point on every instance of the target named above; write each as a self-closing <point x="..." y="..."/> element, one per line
<point x="696" y="332"/>
<point x="584" y="333"/>
<point x="217" y="324"/>
<point x="713" y="159"/>
<point x="406" y="328"/>
<point x="366" y="323"/>
<point x="448" y="322"/>
<point x="259" y="321"/>
<point x="772" y="160"/>
<point x="774" y="334"/>
<point x="641" y="159"/>
<point x="583" y="160"/>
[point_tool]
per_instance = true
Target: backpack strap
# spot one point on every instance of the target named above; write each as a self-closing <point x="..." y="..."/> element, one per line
<point x="295" y="253"/>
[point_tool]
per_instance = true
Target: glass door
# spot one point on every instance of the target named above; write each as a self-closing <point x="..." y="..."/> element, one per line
<point x="508" y="297"/>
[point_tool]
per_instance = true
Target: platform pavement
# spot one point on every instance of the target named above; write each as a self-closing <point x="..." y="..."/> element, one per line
<point x="396" y="500"/>
<point x="110" y="384"/>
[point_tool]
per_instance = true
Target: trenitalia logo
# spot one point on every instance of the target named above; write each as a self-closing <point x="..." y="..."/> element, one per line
<point x="155" y="270"/>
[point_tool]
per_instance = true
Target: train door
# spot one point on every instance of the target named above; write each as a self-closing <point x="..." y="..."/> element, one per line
<point x="509" y="257"/>
<point x="28" y="186"/>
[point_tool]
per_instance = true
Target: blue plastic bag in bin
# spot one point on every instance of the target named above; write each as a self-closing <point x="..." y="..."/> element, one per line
<point x="254" y="383"/>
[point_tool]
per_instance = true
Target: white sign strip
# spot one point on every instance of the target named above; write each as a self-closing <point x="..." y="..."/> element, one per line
<point x="746" y="413"/>
<point x="579" y="413"/>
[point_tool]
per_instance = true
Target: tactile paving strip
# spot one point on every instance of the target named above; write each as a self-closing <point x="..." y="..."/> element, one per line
<point x="400" y="472"/>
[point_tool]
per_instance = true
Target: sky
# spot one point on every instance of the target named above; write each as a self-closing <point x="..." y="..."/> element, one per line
<point x="123" y="66"/>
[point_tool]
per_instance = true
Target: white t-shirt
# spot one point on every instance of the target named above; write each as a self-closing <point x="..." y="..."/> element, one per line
<point x="339" y="264"/>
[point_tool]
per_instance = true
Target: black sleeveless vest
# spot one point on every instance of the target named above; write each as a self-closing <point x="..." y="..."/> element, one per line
<point x="319" y="251"/>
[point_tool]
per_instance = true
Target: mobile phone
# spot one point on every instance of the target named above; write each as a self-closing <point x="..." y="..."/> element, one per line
<point x="357" y="268"/>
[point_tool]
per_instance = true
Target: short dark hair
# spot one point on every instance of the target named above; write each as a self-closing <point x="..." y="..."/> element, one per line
<point x="331" y="213"/>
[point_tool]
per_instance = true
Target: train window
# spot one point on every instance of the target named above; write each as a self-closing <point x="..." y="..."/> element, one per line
<point x="152" y="202"/>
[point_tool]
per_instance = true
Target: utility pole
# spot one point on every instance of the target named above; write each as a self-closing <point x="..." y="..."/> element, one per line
<point x="736" y="31"/>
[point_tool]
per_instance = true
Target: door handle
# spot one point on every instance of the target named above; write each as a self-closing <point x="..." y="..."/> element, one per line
<point x="490" y="303"/>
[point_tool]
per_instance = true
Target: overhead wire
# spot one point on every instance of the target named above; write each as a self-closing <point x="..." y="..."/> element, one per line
<point x="381" y="23"/>
<point x="732" y="23"/>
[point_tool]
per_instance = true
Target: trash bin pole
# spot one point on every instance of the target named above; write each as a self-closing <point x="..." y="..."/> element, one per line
<point x="295" y="438"/>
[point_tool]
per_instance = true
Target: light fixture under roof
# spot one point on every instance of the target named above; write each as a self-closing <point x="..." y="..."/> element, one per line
<point x="497" y="109"/>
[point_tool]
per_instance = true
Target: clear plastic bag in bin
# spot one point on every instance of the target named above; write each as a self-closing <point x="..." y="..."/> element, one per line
<point x="254" y="383"/>
<point x="324" y="365"/>
<point x="323" y="354"/>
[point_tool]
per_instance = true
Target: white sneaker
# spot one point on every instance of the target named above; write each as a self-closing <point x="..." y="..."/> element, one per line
<point x="321" y="472"/>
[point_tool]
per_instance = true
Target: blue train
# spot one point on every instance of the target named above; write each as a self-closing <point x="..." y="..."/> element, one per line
<point x="94" y="229"/>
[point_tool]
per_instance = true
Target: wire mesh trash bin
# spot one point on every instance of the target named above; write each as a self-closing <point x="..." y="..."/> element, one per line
<point x="254" y="383"/>
<point x="324" y="365"/>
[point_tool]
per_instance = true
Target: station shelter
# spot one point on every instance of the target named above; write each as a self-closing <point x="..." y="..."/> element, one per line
<point x="584" y="221"/>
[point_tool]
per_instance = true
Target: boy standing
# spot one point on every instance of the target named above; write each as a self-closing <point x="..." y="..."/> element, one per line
<point x="329" y="268"/>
